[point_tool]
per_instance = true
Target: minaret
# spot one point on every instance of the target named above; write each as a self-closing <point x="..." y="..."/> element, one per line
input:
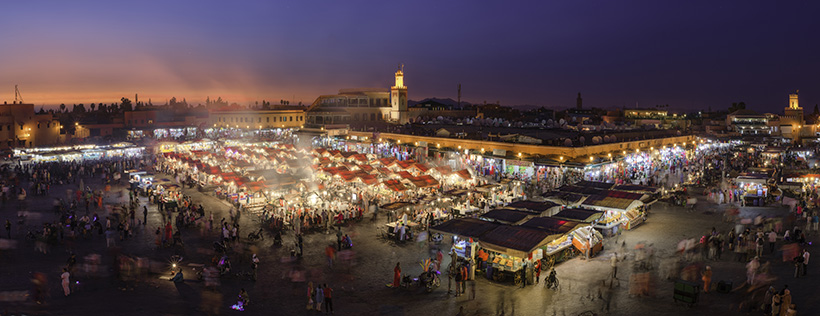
<point x="578" y="101"/>
<point x="398" y="98"/>
<point x="793" y="104"/>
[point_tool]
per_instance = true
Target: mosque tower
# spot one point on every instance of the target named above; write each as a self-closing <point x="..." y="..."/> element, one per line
<point x="398" y="99"/>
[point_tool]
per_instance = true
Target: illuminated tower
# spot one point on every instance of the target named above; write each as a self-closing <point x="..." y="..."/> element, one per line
<point x="398" y="99"/>
<point x="793" y="116"/>
<point x="793" y="105"/>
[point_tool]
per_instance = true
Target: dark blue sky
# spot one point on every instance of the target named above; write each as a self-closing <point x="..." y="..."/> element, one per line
<point x="689" y="54"/>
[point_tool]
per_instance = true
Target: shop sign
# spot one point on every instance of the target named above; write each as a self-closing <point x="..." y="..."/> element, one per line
<point x="519" y="163"/>
<point x="499" y="152"/>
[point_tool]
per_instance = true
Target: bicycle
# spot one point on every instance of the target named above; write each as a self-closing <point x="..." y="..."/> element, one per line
<point x="551" y="282"/>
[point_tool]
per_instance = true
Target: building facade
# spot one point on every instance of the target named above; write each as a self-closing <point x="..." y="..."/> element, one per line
<point x="21" y="127"/>
<point x="748" y="122"/>
<point x="361" y="105"/>
<point x="292" y="117"/>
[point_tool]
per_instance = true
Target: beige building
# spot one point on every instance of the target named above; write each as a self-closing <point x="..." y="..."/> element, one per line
<point x="21" y="127"/>
<point x="291" y="117"/>
<point x="361" y="105"/>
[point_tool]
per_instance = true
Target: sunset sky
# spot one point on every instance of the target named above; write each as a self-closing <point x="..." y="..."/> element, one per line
<point x="689" y="54"/>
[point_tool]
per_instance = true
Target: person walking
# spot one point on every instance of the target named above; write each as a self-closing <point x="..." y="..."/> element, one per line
<point x="806" y="256"/>
<point x="8" y="228"/>
<point x="785" y="301"/>
<point x="310" y="295"/>
<point x="772" y="239"/>
<point x="464" y="278"/>
<point x="751" y="270"/>
<point x="65" y="281"/>
<point x="144" y="215"/>
<point x="254" y="265"/>
<point x="320" y="298"/>
<point x="397" y="275"/>
<point x="458" y="282"/>
<point x="706" y="276"/>
<point x="328" y="292"/>
<point x="798" y="265"/>
<point x="613" y="262"/>
<point x="777" y="299"/>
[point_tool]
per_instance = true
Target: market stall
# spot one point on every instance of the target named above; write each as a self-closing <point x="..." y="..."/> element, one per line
<point x="512" y="252"/>
<point x="507" y="216"/>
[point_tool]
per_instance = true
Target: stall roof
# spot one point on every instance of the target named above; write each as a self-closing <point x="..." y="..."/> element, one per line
<point x="507" y="216"/>
<point x="595" y="184"/>
<point x="456" y="192"/>
<point x="396" y="205"/>
<point x="551" y="225"/>
<point x="515" y="240"/>
<point x="611" y="202"/>
<point x="579" y="190"/>
<point x="486" y="187"/>
<point x="465" y="227"/>
<point x="534" y="206"/>
<point x="577" y="214"/>
<point x="464" y="174"/>
<point x="636" y="188"/>
<point x="563" y="197"/>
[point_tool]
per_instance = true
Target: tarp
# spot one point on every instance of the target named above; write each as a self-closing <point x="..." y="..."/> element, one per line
<point x="516" y="241"/>
<point x="507" y="216"/>
<point x="465" y="227"/>
<point x="552" y="225"/>
<point x="581" y="215"/>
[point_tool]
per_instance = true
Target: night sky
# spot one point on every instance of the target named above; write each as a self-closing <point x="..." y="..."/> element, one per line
<point x="689" y="54"/>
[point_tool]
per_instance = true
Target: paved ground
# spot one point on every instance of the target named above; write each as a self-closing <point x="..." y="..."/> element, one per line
<point x="360" y="287"/>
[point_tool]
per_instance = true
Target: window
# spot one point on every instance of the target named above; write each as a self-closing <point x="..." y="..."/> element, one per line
<point x="291" y="118"/>
<point x="267" y="119"/>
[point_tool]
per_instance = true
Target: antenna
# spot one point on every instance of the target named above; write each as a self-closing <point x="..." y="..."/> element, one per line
<point x="17" y="95"/>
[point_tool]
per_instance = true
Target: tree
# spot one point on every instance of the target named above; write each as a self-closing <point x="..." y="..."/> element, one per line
<point x="93" y="106"/>
<point x="125" y="105"/>
<point x="62" y="107"/>
<point x="737" y="106"/>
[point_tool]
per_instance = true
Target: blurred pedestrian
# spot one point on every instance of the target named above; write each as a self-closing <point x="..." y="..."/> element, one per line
<point x="785" y="302"/>
<point x="613" y="262"/>
<point x="397" y="275"/>
<point x="64" y="279"/>
<point x="8" y="228"/>
<point x="772" y="240"/>
<point x="805" y="260"/>
<point x="706" y="276"/>
<point x="328" y="292"/>
<point x="320" y="298"/>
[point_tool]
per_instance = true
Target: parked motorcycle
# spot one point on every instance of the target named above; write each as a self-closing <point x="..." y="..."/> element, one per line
<point x="254" y="236"/>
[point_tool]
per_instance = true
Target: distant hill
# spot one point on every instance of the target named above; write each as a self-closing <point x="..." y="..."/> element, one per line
<point x="447" y="102"/>
<point x="451" y="102"/>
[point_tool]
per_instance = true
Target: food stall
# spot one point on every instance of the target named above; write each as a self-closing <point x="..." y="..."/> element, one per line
<point x="566" y="233"/>
<point x="511" y="250"/>
<point x="621" y="208"/>
<point x="754" y="188"/>
<point x="465" y="232"/>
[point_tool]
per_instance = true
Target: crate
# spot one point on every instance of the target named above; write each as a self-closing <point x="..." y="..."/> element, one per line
<point x="724" y="287"/>
<point x="686" y="292"/>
